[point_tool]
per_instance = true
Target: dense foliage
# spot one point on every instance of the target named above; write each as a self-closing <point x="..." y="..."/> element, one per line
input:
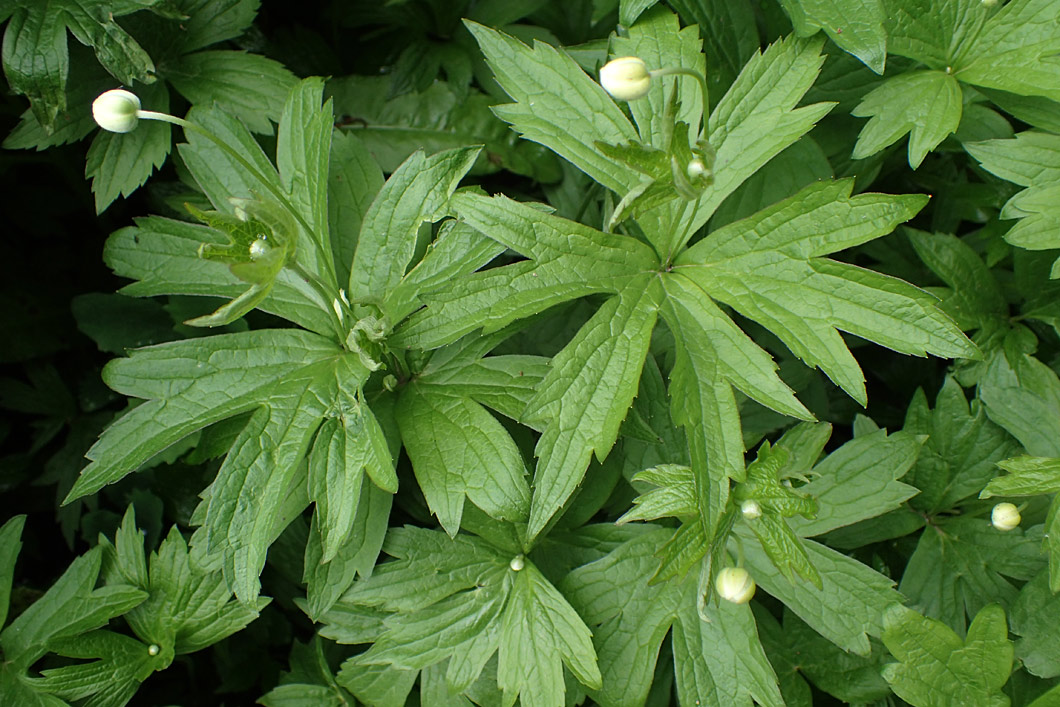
<point x="448" y="369"/>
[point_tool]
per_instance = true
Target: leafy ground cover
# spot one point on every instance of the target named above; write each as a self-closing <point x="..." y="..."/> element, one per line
<point x="608" y="352"/>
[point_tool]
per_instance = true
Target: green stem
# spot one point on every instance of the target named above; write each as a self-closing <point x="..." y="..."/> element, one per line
<point x="681" y="71"/>
<point x="276" y="191"/>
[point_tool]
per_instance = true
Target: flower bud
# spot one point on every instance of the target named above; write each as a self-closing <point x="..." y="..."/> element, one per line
<point x="1005" y="516"/>
<point x="696" y="168"/>
<point x="626" y="78"/>
<point x="116" y="110"/>
<point x="750" y="509"/>
<point x="517" y="563"/>
<point x="735" y="584"/>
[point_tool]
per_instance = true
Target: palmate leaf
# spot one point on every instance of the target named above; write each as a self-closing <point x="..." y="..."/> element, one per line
<point x="36" y="60"/>
<point x="1032" y="160"/>
<point x="758" y="264"/>
<point x="463" y="599"/>
<point x="717" y="656"/>
<point x="187" y="608"/>
<point x="456" y="446"/>
<point x="291" y="380"/>
<point x="938" y="668"/>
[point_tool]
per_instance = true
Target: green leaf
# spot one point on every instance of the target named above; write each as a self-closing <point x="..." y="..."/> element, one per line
<point x="1031" y="159"/>
<point x="121" y="163"/>
<point x="757" y="119"/>
<point x="659" y="41"/>
<point x="291" y="380"/>
<point x="1027" y="476"/>
<point x="629" y="617"/>
<point x="212" y="21"/>
<point x="250" y="87"/>
<point x="557" y="105"/>
<point x="925" y="104"/>
<point x="10" y="544"/>
<point x="718" y="658"/>
<point x="730" y="36"/>
<point x="569" y="261"/>
<point x="354" y="179"/>
<point x="855" y="25"/>
<point x="72" y="606"/>
<point x="960" y="565"/>
<point x="162" y="256"/>
<point x="344" y="448"/>
<point x="417" y="193"/>
<point x="585" y="396"/>
<point x="459" y="449"/>
<point x="440" y="117"/>
<point x="1015" y="51"/>
<point x="937" y="668"/>
<point x="859" y="480"/>
<point x="975" y="300"/>
<point x="216" y="172"/>
<point x="756" y="265"/>
<point x="849" y="605"/>
<point x="377" y="685"/>
<point x="459" y="250"/>
<point x="463" y="599"/>
<point x="35" y="56"/>
<point x="327" y="581"/>
<point x="961" y="450"/>
<point x="188" y="608"/>
<point x="303" y="152"/>
<point x="1023" y="396"/>
<point x="933" y="34"/>
<point x="122" y="664"/>
<point x="298" y="695"/>
<point x="539" y="629"/>
<point x="1035" y="616"/>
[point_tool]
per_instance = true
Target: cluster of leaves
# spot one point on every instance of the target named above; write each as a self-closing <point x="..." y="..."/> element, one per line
<point x="489" y="444"/>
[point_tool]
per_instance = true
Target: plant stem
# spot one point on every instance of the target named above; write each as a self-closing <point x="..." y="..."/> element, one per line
<point x="681" y="71"/>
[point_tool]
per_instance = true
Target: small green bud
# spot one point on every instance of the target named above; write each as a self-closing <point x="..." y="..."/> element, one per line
<point x="116" y="110"/>
<point x="626" y="78"/>
<point x="1005" y="516"/>
<point x="517" y="563"/>
<point x="734" y="584"/>
<point x="750" y="509"/>
<point x="153" y="649"/>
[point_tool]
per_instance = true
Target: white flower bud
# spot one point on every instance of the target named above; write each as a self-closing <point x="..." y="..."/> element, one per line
<point x="116" y="110"/>
<point x="626" y="78"/>
<point x="695" y="168"/>
<point x="517" y="563"/>
<point x="1005" y="516"/>
<point x="259" y="248"/>
<point x="153" y="649"/>
<point x="750" y="509"/>
<point x="735" y="584"/>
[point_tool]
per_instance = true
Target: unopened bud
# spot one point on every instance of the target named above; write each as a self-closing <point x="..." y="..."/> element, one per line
<point x="750" y="509"/>
<point x="626" y="78"/>
<point x="734" y="584"/>
<point x="517" y="563"/>
<point x="116" y="110"/>
<point x="696" y="168"/>
<point x="1005" y="516"/>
